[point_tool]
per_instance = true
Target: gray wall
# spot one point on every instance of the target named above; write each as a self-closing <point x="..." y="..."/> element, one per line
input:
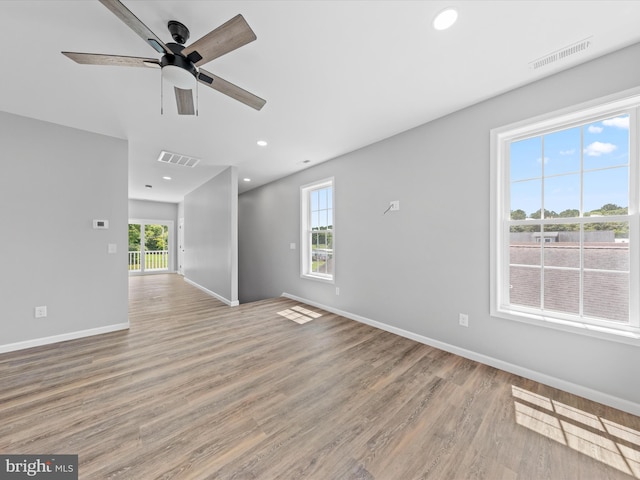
<point x="55" y="180"/>
<point x="211" y="236"/>
<point x="145" y="209"/>
<point x="415" y="270"/>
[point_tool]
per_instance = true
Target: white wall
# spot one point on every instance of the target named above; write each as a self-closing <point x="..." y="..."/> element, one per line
<point x="55" y="180"/>
<point x="211" y="236"/>
<point x="413" y="271"/>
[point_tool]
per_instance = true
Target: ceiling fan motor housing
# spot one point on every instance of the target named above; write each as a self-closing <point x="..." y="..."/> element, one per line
<point x="178" y="60"/>
<point x="179" y="32"/>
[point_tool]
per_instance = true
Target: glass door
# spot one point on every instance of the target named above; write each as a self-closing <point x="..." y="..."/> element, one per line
<point x="149" y="249"/>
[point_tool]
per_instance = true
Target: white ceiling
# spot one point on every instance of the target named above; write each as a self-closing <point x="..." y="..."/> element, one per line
<point x="337" y="75"/>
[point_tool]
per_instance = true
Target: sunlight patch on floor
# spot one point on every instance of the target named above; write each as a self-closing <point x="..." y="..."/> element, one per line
<point x="608" y="442"/>
<point x="299" y="314"/>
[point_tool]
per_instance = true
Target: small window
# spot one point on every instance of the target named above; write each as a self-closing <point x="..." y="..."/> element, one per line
<point x="565" y="220"/>
<point x="317" y="252"/>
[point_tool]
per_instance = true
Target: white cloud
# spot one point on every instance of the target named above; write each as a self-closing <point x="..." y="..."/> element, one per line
<point x="546" y="160"/>
<point x="595" y="129"/>
<point x="568" y="152"/>
<point x="618" y="122"/>
<point x="596" y="149"/>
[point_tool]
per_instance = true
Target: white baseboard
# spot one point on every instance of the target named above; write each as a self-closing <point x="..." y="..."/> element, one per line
<point x="582" y="391"/>
<point x="37" y="342"/>
<point x="231" y="303"/>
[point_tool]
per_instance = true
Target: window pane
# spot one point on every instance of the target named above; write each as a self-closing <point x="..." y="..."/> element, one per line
<point x="322" y="215"/>
<point x="315" y="220"/>
<point x="561" y="246"/>
<point x="606" y="188"/>
<point x="525" y="247"/>
<point x="562" y="290"/>
<point x="562" y="152"/>
<point x="525" y="286"/>
<point x="314" y="200"/>
<point x="606" y="143"/>
<point x="562" y="193"/>
<point x="322" y="196"/>
<point x="526" y="196"/>
<point x="526" y="158"/>
<point x="606" y="295"/>
<point x="602" y="251"/>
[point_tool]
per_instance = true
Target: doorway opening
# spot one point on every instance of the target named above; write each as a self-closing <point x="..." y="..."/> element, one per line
<point x="150" y="244"/>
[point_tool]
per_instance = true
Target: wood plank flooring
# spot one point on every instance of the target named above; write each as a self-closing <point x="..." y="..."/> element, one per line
<point x="199" y="390"/>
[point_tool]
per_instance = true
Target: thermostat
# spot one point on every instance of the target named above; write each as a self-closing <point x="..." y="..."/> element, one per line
<point x="101" y="224"/>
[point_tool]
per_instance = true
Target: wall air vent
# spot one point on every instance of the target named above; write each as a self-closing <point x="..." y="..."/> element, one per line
<point x="561" y="54"/>
<point x="177" y="159"/>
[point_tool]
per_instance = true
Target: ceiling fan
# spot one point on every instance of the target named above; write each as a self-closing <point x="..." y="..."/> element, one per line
<point x="181" y="64"/>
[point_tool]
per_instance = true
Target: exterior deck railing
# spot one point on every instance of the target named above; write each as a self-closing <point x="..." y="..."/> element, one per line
<point x="153" y="260"/>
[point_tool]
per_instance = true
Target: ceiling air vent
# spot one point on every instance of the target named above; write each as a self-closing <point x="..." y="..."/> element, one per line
<point x="177" y="159"/>
<point x="561" y="54"/>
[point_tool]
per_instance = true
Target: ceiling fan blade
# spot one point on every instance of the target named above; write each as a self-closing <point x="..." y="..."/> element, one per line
<point x="227" y="37"/>
<point x="134" y="23"/>
<point x="118" y="60"/>
<point x="184" y="100"/>
<point x="230" y="89"/>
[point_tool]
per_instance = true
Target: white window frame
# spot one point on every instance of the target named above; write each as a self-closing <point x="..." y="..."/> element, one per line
<point x="627" y="102"/>
<point x="305" y="230"/>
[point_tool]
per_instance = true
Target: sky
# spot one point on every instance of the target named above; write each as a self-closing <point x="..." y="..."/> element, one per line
<point x="547" y="168"/>
<point x="321" y="207"/>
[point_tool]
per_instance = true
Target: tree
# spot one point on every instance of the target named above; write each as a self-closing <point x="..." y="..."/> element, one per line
<point x="547" y="214"/>
<point x="134" y="237"/>
<point x="518" y="214"/>
<point x="569" y="213"/>
<point x="155" y="237"/>
<point x="609" y="207"/>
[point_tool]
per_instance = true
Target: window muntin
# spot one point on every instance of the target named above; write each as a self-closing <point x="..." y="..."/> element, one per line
<point x="318" y="231"/>
<point x="566" y="220"/>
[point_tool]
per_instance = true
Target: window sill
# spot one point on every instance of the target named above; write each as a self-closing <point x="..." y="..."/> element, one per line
<point x="318" y="278"/>
<point x="628" y="335"/>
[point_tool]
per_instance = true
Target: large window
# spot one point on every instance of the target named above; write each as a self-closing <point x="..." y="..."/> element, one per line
<point x="565" y="220"/>
<point x="317" y="207"/>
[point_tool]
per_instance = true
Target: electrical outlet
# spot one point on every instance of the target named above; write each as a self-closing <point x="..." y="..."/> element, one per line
<point x="463" y="318"/>
<point x="395" y="206"/>
<point x="40" y="312"/>
<point x="337" y="290"/>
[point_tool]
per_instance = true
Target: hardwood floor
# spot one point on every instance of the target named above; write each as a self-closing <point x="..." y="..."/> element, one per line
<point x="196" y="390"/>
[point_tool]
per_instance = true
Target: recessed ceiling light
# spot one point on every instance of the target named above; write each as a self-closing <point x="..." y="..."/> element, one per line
<point x="166" y="178"/>
<point x="246" y="179"/>
<point x="148" y="186"/>
<point x="445" y="19"/>
<point x="262" y="143"/>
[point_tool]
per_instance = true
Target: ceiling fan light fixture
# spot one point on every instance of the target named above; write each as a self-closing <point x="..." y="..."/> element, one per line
<point x="178" y="77"/>
<point x="445" y="19"/>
